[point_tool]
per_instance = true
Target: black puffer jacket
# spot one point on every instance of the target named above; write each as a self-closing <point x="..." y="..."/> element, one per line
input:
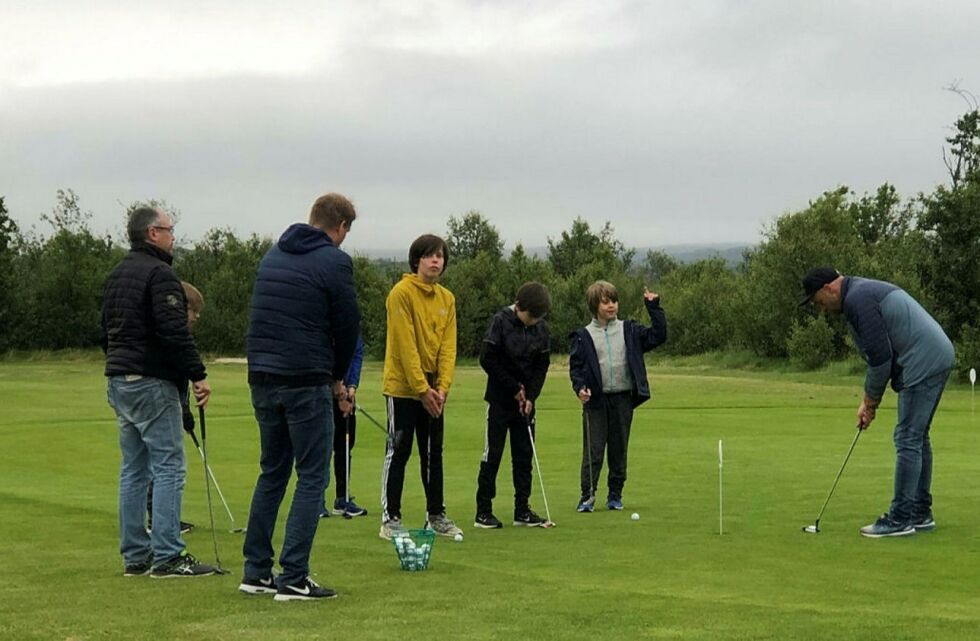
<point x="144" y="320"/>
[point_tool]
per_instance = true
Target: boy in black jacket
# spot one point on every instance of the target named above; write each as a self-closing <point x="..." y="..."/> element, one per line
<point x="515" y="356"/>
<point x="609" y="376"/>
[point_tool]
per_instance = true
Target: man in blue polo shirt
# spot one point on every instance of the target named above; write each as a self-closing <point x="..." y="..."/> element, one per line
<point x="900" y="342"/>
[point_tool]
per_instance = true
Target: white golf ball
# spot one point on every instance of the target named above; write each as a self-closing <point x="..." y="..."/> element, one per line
<point x="458" y="538"/>
<point x="636" y="516"/>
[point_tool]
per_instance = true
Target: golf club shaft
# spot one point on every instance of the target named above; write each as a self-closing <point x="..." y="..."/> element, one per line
<point x="216" y="486"/>
<point x="588" y="446"/>
<point x="537" y="464"/>
<point x="839" y="472"/>
<point x="347" y="463"/>
<point x="371" y="418"/>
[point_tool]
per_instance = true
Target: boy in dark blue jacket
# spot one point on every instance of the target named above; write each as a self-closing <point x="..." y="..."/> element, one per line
<point x="515" y="355"/>
<point x="609" y="376"/>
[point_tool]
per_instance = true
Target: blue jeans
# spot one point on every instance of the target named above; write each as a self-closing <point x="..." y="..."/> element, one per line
<point x="913" y="466"/>
<point x="295" y="428"/>
<point x="152" y="446"/>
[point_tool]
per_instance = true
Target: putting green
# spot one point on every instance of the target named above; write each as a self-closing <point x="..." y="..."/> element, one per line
<point x="668" y="575"/>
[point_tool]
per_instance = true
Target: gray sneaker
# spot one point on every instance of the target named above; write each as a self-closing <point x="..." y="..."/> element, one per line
<point x="443" y="526"/>
<point x="391" y="527"/>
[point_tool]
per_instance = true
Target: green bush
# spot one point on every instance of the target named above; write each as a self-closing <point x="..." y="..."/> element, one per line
<point x="811" y="343"/>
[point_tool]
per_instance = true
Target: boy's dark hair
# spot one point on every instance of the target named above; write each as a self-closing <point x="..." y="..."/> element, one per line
<point x="534" y="299"/>
<point x="426" y="245"/>
<point x="331" y="210"/>
<point x="599" y="291"/>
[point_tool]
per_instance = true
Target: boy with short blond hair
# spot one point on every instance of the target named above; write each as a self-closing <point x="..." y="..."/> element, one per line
<point x="609" y="376"/>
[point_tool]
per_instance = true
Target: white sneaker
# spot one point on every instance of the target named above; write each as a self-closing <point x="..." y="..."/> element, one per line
<point x="391" y="527"/>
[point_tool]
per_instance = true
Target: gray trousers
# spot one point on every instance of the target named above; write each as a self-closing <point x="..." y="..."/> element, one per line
<point x="606" y="423"/>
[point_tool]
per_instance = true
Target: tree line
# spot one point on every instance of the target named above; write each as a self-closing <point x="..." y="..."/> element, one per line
<point x="928" y="244"/>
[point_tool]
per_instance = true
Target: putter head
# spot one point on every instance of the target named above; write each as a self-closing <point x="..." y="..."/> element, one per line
<point x="347" y="517"/>
<point x="811" y="529"/>
<point x="548" y="524"/>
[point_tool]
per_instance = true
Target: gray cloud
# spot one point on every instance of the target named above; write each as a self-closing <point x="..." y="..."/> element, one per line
<point x="694" y="126"/>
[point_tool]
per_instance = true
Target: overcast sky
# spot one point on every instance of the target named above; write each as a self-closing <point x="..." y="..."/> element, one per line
<point x="693" y="122"/>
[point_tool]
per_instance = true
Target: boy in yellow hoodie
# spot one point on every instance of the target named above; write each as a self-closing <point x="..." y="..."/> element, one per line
<point x="420" y="358"/>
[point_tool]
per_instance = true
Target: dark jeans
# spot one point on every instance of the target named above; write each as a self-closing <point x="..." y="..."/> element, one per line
<point x="345" y="427"/>
<point x="500" y="421"/>
<point x="913" y="465"/>
<point x="295" y="428"/>
<point x="606" y="422"/>
<point x="407" y="418"/>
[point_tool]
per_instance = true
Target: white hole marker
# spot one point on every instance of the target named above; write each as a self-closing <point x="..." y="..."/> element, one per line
<point x="721" y="512"/>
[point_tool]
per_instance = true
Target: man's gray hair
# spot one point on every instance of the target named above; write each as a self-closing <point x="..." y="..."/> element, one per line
<point x="139" y="223"/>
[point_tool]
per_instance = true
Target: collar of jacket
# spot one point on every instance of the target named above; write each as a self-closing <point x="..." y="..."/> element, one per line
<point x="428" y="289"/>
<point x="153" y="250"/>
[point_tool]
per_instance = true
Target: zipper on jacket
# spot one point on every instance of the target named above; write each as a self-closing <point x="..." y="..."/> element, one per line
<point x="612" y="369"/>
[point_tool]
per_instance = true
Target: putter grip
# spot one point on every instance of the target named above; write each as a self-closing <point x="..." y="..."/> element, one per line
<point x="204" y="429"/>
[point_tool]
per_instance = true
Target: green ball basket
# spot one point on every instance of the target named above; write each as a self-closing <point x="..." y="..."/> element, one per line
<point x="414" y="548"/>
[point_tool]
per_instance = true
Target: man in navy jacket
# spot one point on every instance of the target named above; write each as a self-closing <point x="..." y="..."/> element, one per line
<point x="301" y="337"/>
<point x="900" y="342"/>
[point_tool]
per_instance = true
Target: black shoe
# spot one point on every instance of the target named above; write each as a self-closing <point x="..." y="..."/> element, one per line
<point x="183" y="566"/>
<point x="527" y="518"/>
<point x="258" y="586"/>
<point x="306" y="590"/>
<point x="139" y="569"/>
<point x="923" y="523"/>
<point x="487" y="521"/>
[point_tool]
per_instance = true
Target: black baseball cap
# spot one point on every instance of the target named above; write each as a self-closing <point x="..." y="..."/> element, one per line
<point x="815" y="279"/>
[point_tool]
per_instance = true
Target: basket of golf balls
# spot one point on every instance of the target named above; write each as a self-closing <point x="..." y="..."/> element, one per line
<point x="414" y="548"/>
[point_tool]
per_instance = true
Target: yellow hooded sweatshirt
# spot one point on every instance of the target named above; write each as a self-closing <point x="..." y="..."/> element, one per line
<point x="421" y="338"/>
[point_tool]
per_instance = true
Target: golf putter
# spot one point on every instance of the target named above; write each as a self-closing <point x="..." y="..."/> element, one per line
<point x="217" y="487"/>
<point x="815" y="528"/>
<point x="588" y="445"/>
<point x="347" y="467"/>
<point x="534" y="450"/>
<point x="207" y="485"/>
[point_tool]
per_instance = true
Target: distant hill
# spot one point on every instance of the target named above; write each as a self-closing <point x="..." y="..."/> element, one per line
<point x="732" y="253"/>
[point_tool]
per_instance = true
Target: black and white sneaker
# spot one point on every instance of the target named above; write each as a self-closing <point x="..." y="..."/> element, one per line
<point x="306" y="590"/>
<point x="139" y="569"/>
<point x="258" y="586"/>
<point x="527" y="518"/>
<point x="182" y="566"/>
<point x="487" y="521"/>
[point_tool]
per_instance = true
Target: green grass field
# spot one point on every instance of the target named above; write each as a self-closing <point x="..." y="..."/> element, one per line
<point x="667" y="576"/>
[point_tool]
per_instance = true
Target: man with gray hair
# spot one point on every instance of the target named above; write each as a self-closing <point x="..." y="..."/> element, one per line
<point x="149" y="349"/>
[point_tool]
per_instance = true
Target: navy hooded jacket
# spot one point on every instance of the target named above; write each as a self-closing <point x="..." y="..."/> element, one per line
<point x="583" y="362"/>
<point x="304" y="317"/>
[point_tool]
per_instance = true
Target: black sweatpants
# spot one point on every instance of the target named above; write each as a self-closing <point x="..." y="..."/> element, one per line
<point x="407" y="418"/>
<point x="502" y="419"/>
<point x="606" y="422"/>
<point x="343" y="426"/>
